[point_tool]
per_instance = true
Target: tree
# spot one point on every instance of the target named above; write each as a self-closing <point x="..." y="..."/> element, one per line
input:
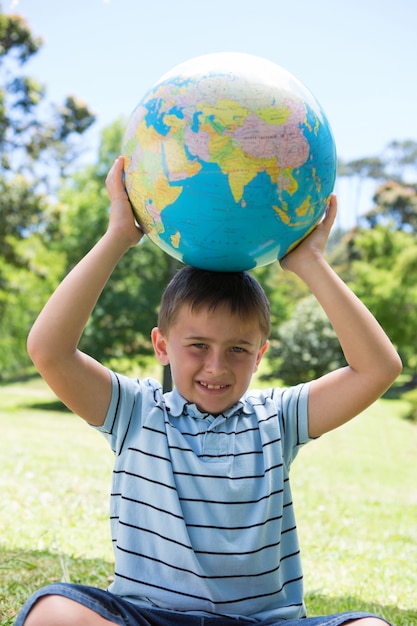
<point x="383" y="273"/>
<point x="381" y="256"/>
<point x="38" y="141"/>
<point x="401" y="160"/>
<point x="23" y="292"/>
<point x="361" y="170"/>
<point x="118" y="332"/>
<point x="395" y="202"/>
<point x="397" y="163"/>
<point x="283" y="290"/>
<point x="306" y="346"/>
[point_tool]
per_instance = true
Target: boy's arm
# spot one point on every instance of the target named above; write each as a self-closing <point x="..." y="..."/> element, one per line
<point x="373" y="363"/>
<point x="82" y="383"/>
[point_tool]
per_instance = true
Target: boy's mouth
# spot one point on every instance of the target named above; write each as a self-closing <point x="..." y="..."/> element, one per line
<point x="212" y="387"/>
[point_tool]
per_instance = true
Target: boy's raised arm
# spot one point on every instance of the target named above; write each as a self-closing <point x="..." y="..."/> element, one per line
<point x="78" y="380"/>
<point x="373" y="363"/>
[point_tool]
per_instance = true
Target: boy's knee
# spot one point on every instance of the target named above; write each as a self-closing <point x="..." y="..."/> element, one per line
<point x="56" y="610"/>
<point x="50" y="610"/>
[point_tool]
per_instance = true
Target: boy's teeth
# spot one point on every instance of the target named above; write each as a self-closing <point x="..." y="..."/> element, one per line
<point x="213" y="386"/>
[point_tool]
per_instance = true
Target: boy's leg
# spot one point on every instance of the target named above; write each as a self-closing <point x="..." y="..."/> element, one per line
<point x="60" y="611"/>
<point x="354" y="618"/>
<point x="367" y="621"/>
<point x="60" y="604"/>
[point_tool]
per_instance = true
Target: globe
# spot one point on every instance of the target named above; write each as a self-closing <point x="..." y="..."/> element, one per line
<point x="229" y="162"/>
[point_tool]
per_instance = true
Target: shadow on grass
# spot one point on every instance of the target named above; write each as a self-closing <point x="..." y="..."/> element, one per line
<point x="319" y="604"/>
<point x="396" y="391"/>
<point x="52" y="405"/>
<point x="24" y="378"/>
<point x="22" y="572"/>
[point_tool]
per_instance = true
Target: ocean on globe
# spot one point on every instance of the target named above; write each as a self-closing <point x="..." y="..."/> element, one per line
<point x="229" y="162"/>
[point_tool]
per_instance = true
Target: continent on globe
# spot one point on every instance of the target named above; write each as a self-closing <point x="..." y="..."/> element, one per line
<point x="229" y="162"/>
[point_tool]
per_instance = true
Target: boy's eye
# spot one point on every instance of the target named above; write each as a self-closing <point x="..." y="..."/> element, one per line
<point x="238" y="349"/>
<point x="201" y="346"/>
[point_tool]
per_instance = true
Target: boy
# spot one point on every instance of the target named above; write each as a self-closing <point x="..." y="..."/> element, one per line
<point x="201" y="511"/>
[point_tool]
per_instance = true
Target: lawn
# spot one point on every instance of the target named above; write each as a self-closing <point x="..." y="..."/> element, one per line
<point x="355" y="492"/>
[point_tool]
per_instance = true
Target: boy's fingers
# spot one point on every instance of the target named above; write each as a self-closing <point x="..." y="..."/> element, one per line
<point x="114" y="180"/>
<point x="331" y="211"/>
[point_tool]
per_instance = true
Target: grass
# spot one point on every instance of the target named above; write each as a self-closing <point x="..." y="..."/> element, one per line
<point x="355" y="492"/>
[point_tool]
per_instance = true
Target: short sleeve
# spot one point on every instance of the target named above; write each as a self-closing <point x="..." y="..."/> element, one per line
<point x="128" y="403"/>
<point x="294" y="419"/>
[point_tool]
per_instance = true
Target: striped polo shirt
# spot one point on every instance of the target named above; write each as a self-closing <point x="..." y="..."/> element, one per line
<point x="202" y="517"/>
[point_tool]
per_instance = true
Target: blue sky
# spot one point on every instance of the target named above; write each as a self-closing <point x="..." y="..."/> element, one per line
<point x="358" y="57"/>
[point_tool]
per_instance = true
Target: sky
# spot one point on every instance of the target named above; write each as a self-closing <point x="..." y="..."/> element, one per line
<point x="357" y="57"/>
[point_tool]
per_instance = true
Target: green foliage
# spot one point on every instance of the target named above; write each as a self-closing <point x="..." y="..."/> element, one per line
<point x="284" y="290"/>
<point x="29" y="283"/>
<point x="121" y="323"/>
<point x="15" y="36"/>
<point x="110" y="145"/>
<point x="410" y="397"/>
<point x="306" y="346"/>
<point x="41" y="240"/>
<point x="383" y="274"/>
<point x="395" y="203"/>
<point x="37" y="143"/>
<point x="401" y="160"/>
<point x="127" y="310"/>
<point x="35" y="139"/>
<point x="397" y="159"/>
<point x="367" y="167"/>
<point x="21" y="212"/>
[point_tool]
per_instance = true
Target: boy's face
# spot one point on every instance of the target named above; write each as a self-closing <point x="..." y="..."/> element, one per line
<point x="212" y="354"/>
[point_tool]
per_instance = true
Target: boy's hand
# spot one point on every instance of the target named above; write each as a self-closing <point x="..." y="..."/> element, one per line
<point x="312" y="247"/>
<point x="122" y="220"/>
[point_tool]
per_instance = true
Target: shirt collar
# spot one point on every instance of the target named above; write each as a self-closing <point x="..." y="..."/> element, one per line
<point x="177" y="405"/>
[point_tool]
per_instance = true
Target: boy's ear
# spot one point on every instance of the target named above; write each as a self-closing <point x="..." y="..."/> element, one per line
<point x="261" y="352"/>
<point x="160" y="346"/>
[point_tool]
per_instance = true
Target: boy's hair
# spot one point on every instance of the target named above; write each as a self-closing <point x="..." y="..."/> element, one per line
<point x="239" y="291"/>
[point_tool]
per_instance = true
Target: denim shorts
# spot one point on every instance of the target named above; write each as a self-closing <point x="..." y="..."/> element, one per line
<point x="120" y="611"/>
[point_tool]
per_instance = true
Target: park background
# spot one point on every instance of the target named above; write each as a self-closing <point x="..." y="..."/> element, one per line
<point x="64" y="104"/>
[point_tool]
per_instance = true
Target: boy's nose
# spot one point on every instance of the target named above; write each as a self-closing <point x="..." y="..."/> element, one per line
<point x="216" y="363"/>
